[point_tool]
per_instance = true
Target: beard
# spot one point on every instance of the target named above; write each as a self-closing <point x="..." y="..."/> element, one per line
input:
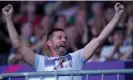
<point x="61" y="50"/>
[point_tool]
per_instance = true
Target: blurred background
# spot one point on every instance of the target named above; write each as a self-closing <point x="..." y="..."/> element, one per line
<point x="81" y="20"/>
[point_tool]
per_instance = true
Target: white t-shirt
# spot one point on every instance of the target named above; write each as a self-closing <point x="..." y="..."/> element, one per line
<point x="72" y="61"/>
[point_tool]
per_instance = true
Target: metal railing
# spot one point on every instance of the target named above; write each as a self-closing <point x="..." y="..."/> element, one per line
<point x="67" y="73"/>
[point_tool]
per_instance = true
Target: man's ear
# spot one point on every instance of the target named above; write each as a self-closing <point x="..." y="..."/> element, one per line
<point x="49" y="43"/>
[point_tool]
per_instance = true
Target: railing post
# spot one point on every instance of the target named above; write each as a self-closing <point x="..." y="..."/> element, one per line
<point x="102" y="76"/>
<point x="72" y="77"/>
<point x="9" y="78"/>
<point x="56" y="77"/>
<point x="118" y="76"/>
<point x="26" y="77"/>
<point x="41" y="77"/>
<point x="86" y="76"/>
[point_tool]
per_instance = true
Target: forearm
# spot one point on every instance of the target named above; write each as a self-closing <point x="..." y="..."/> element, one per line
<point x="41" y="43"/>
<point x="96" y="42"/>
<point x="85" y="36"/>
<point x="109" y="28"/>
<point x="38" y="45"/>
<point x="12" y="32"/>
<point x="27" y="55"/>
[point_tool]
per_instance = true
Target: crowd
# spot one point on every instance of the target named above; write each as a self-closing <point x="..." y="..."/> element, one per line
<point x="81" y="20"/>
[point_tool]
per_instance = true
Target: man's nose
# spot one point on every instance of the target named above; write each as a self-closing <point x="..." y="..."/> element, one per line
<point x="63" y="39"/>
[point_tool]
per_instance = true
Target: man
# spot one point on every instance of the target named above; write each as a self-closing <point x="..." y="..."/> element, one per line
<point x="56" y="43"/>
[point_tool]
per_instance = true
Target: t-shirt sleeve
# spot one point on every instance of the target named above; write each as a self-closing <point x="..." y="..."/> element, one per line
<point x="78" y="56"/>
<point x="37" y="62"/>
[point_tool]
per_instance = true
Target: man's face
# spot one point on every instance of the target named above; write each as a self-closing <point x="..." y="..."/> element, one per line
<point x="59" y="42"/>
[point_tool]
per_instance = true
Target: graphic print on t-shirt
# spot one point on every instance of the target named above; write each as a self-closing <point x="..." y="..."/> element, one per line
<point x="58" y="63"/>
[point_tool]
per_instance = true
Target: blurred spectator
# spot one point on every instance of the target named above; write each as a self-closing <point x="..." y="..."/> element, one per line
<point x="68" y="9"/>
<point x="26" y="31"/>
<point x="129" y="8"/>
<point x="41" y="31"/>
<point x="109" y="13"/>
<point x="129" y="31"/>
<point x="27" y="14"/>
<point x="78" y="32"/>
<point x="61" y="22"/>
<point x="116" y="51"/>
<point x="97" y="22"/>
<point x="46" y="24"/>
<point x="97" y="10"/>
<point x="21" y="13"/>
<point x="51" y="7"/>
<point x="98" y="25"/>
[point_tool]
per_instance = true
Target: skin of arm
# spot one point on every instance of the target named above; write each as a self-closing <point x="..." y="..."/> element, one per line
<point x="94" y="44"/>
<point x="27" y="54"/>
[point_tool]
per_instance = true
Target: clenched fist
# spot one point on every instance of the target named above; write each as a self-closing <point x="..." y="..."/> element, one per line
<point x="119" y="8"/>
<point x="7" y="10"/>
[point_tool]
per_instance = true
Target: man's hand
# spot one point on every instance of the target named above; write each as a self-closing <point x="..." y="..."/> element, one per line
<point x="92" y="46"/>
<point x="7" y="11"/>
<point x="119" y="9"/>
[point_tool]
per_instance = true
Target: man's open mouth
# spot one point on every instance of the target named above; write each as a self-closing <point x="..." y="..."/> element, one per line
<point x="63" y="46"/>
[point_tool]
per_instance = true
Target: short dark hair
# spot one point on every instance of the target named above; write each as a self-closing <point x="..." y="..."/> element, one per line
<point x="50" y="34"/>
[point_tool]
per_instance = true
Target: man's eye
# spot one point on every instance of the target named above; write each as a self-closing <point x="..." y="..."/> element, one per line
<point x="59" y="37"/>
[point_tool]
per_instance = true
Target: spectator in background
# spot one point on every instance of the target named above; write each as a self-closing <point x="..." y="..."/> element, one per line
<point x="97" y="11"/>
<point x="22" y="13"/>
<point x="68" y="9"/>
<point x="61" y="22"/>
<point x="117" y="51"/>
<point x="46" y="24"/>
<point x="98" y="22"/>
<point x="109" y="12"/>
<point x="43" y="27"/>
<point x="52" y="7"/>
<point x="78" y="32"/>
<point x="27" y="14"/>
<point x="26" y="32"/>
<point x="41" y="32"/>
<point x="129" y="8"/>
<point x="113" y="51"/>
<point x="97" y="26"/>
<point x="129" y="31"/>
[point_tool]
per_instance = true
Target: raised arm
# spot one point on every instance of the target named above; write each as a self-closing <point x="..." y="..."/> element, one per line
<point x="91" y="47"/>
<point x="41" y="43"/>
<point x="19" y="45"/>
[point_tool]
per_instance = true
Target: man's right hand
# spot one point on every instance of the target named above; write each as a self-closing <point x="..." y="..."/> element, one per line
<point x="7" y="11"/>
<point x="119" y="9"/>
